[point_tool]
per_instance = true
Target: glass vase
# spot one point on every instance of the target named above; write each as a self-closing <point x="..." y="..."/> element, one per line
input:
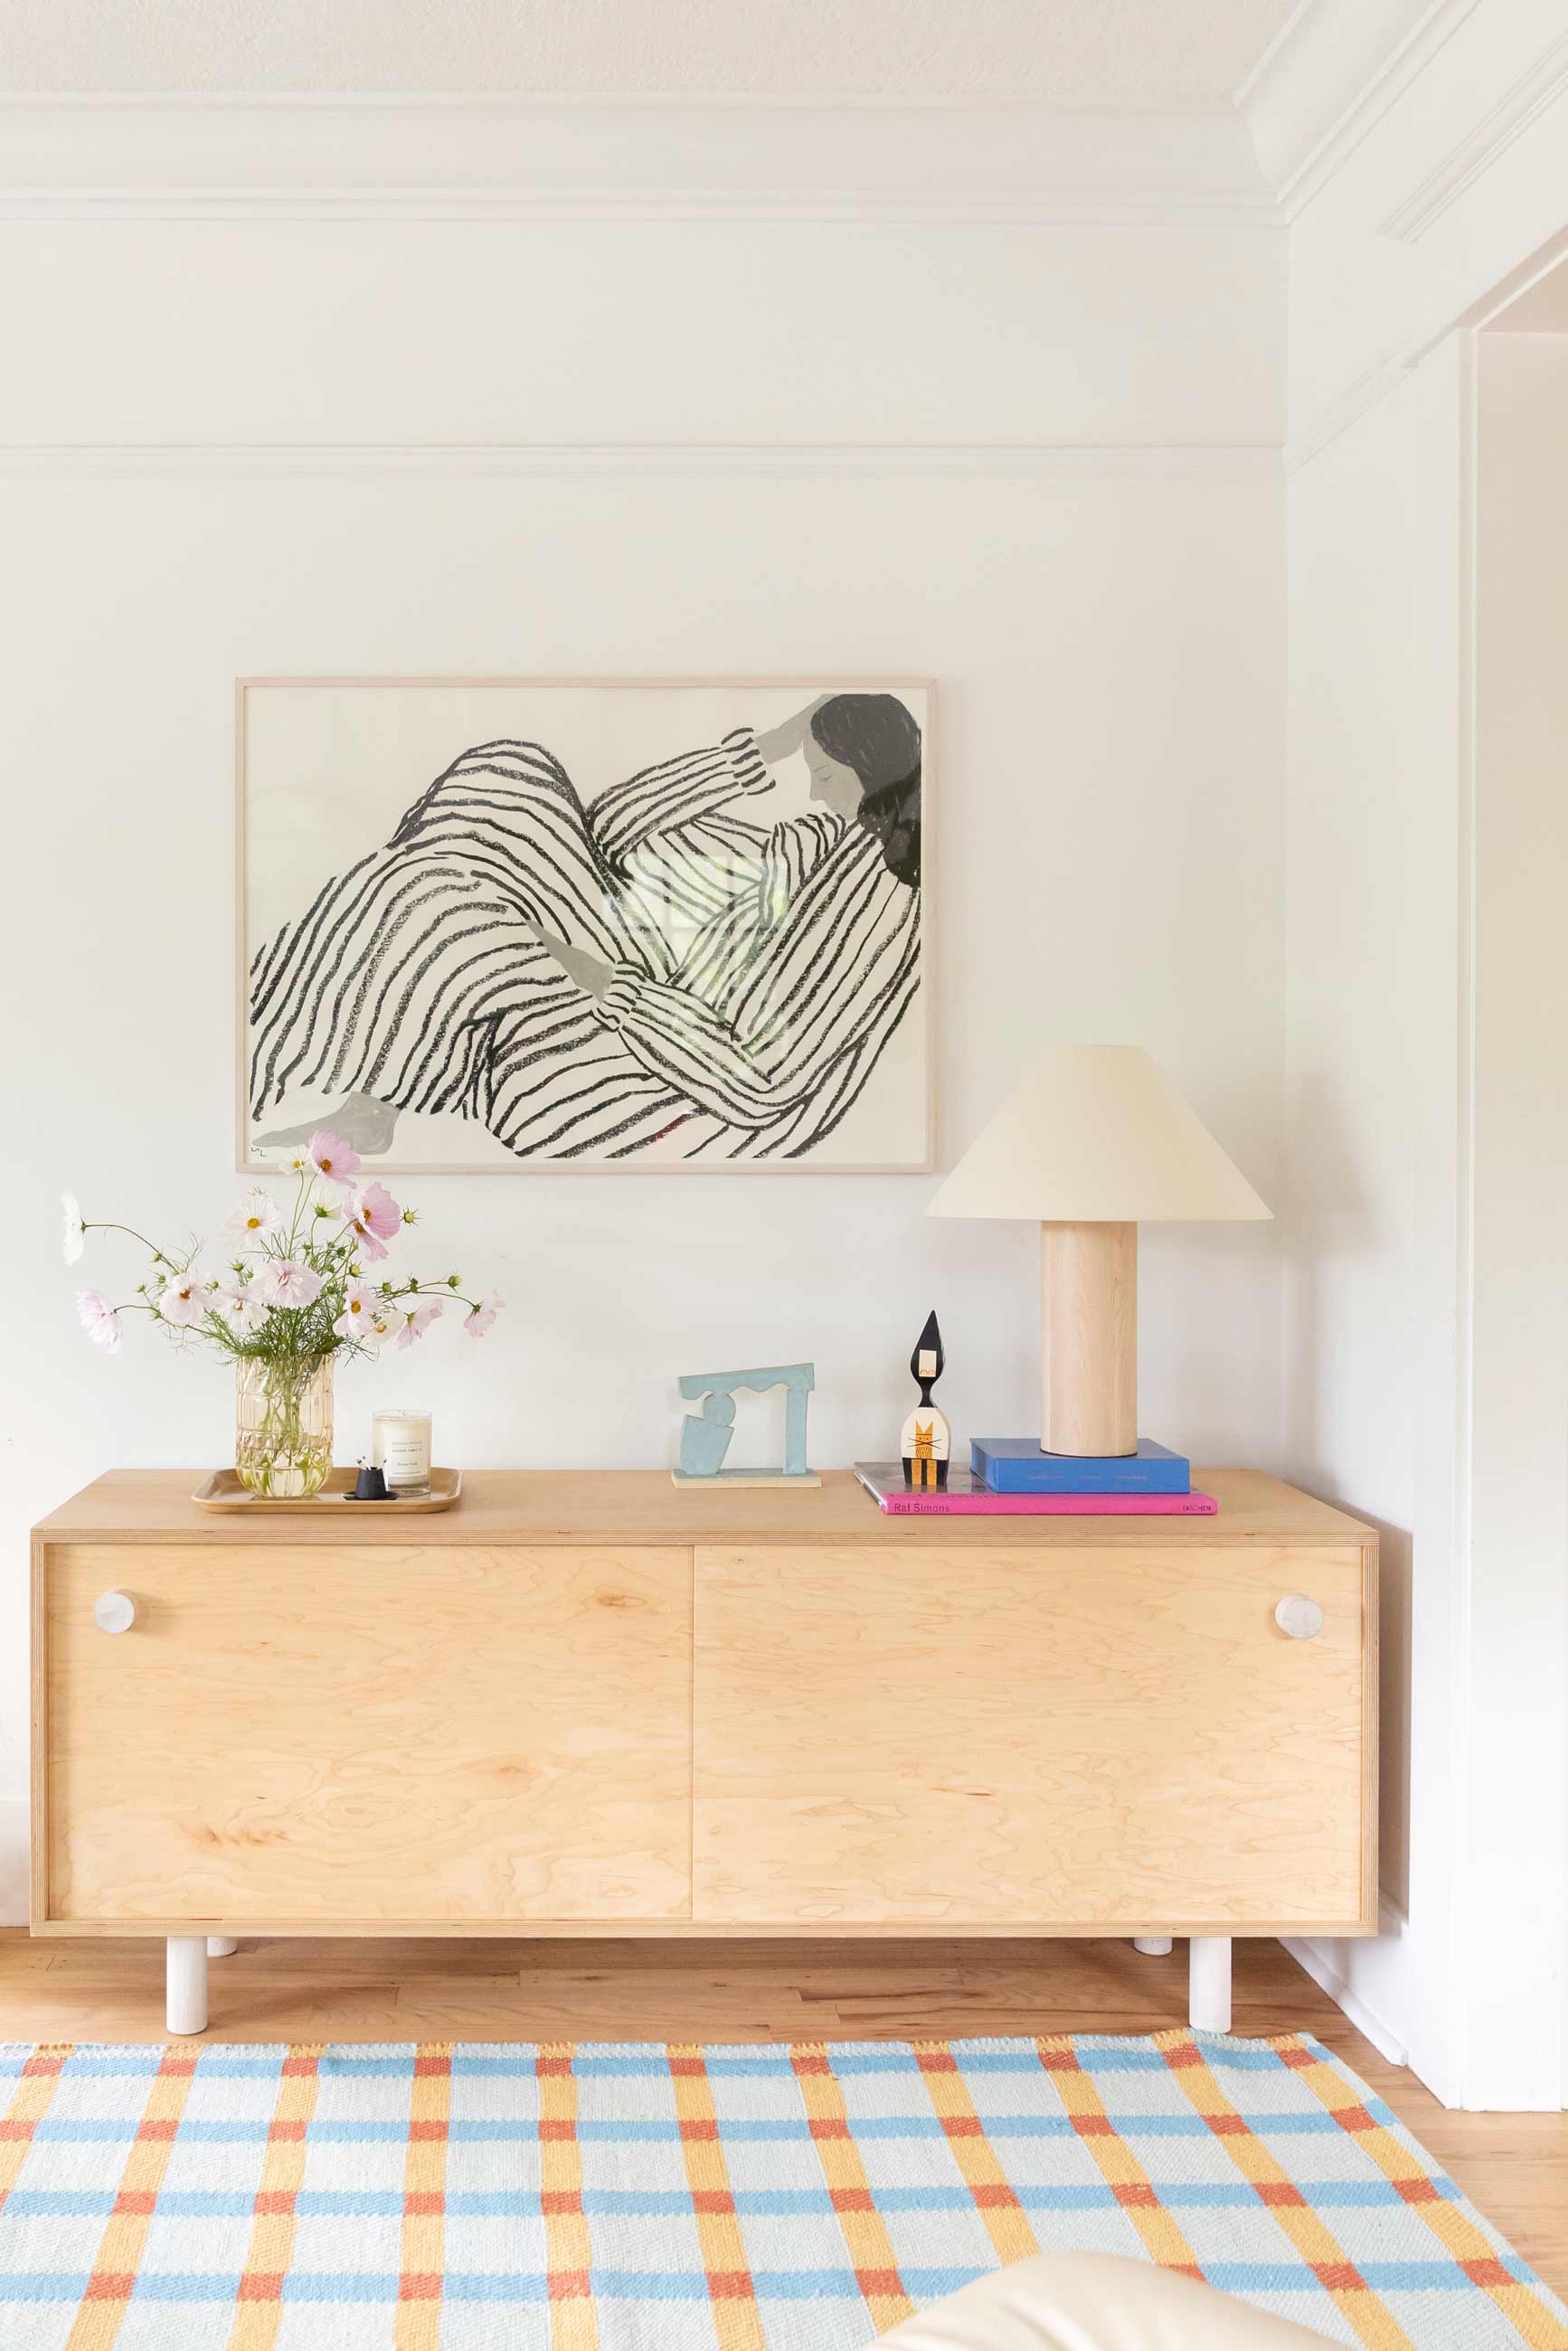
<point x="283" y="1425"/>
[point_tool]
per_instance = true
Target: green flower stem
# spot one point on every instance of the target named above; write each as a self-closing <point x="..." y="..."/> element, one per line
<point x="160" y="1257"/>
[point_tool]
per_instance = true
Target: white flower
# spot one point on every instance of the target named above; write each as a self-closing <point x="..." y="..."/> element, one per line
<point x="240" y="1310"/>
<point x="358" y="1320"/>
<point x="253" y="1217"/>
<point x="482" y="1317"/>
<point x="183" y="1299"/>
<point x="283" y="1281"/>
<point x="98" y="1320"/>
<point x="76" y="1230"/>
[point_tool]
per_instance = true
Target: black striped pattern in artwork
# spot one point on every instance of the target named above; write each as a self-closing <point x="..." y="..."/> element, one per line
<point x="758" y="976"/>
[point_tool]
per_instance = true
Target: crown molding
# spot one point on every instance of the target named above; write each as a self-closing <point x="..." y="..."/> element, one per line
<point x="1491" y="137"/>
<point x="1374" y="384"/>
<point x="1386" y="373"/>
<point x="424" y="158"/>
<point x="1329" y="79"/>
<point x="999" y="460"/>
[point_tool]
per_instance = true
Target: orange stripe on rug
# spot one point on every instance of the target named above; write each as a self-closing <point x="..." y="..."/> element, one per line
<point x="417" y="2326"/>
<point x="737" y="2325"/>
<point x="101" y="2312"/>
<point x="1454" y="2229"/>
<point x="36" y="2086"/>
<point x="865" y="2236"/>
<point x="1119" y="2166"/>
<point x="259" y="2311"/>
<point x="1372" y="2320"/>
<point x="568" y="2255"/>
<point x="996" y="2202"/>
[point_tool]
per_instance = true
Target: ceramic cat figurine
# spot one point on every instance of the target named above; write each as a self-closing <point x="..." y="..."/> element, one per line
<point x="926" y="1441"/>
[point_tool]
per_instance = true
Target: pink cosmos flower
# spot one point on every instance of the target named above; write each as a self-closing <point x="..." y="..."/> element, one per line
<point x="357" y="1318"/>
<point x="416" y="1325"/>
<point x="374" y="1216"/>
<point x="283" y="1281"/>
<point x="184" y="1299"/>
<point x="335" y="1161"/>
<point x="98" y="1320"/>
<point x="482" y="1316"/>
<point x="240" y="1310"/>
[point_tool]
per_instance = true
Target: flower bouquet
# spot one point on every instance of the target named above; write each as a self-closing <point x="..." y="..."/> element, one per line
<point x="296" y="1294"/>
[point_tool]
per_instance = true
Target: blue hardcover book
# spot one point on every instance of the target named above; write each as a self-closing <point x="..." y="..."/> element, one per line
<point x="1015" y="1465"/>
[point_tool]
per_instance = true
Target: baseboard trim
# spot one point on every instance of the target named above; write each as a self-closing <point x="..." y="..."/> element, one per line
<point x="1384" y="2038"/>
<point x="15" y="1865"/>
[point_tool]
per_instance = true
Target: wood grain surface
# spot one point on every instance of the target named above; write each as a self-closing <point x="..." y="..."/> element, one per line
<point x="422" y="1733"/>
<point x="1019" y="1726"/>
<point x="1515" y="2166"/>
<point x="540" y="1507"/>
<point x="942" y="1737"/>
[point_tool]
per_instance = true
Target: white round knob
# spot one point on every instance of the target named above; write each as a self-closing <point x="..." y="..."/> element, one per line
<point x="114" y="1612"/>
<point x="1299" y="1618"/>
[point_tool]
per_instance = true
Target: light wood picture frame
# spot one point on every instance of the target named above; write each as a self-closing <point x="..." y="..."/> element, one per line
<point x="632" y="925"/>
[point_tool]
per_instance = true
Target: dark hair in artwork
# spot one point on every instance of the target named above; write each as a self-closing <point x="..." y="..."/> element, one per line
<point x="875" y="734"/>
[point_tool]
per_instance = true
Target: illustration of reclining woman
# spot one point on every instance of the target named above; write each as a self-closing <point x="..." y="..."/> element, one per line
<point x="590" y="981"/>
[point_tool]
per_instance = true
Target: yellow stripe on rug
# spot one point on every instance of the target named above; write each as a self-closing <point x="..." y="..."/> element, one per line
<point x="102" y="2310"/>
<point x="1373" y="2322"/>
<point x="735" y="2322"/>
<point x="568" y="2254"/>
<point x="1454" y="2229"/>
<point x="417" y="2327"/>
<point x="996" y="2202"/>
<point x="1119" y="2166"/>
<point x="259" y="2314"/>
<point x="30" y="2100"/>
<point x="870" y="2247"/>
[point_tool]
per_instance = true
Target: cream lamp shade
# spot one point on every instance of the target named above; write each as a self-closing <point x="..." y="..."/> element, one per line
<point x="1096" y="1134"/>
<point x="1092" y="1142"/>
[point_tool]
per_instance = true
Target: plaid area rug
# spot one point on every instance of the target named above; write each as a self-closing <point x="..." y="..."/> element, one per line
<point x="631" y="2197"/>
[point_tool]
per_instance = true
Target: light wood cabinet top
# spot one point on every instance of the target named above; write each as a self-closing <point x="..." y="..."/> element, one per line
<point x="543" y="1506"/>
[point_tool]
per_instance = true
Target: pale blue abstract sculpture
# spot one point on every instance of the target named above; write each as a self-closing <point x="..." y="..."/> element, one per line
<point x="705" y="1435"/>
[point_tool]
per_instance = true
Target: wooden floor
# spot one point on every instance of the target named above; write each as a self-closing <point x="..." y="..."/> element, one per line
<point x="1514" y="2166"/>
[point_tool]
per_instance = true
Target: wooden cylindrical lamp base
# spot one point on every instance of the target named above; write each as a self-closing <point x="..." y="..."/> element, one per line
<point x="1089" y="1294"/>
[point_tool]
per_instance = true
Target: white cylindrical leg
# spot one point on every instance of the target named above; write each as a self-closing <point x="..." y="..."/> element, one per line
<point x="1208" y="1983"/>
<point x="1153" y="1947"/>
<point x="224" y="1947"/>
<point x="187" y="1983"/>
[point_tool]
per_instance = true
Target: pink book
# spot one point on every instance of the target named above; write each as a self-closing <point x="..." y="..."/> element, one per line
<point x="962" y="1498"/>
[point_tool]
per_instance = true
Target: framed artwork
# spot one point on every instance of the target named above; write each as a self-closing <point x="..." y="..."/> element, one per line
<point x="520" y="923"/>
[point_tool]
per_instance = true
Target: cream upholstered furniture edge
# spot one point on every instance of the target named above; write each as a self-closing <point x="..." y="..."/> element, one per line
<point x="595" y="1704"/>
<point x="1093" y="2302"/>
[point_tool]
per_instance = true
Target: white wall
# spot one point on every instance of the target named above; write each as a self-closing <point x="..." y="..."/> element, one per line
<point x="1373" y="1119"/>
<point x="1091" y="569"/>
<point x="1415" y="1380"/>
<point x="1516" y="1917"/>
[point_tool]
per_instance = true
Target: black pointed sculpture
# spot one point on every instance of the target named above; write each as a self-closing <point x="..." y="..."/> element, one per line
<point x="926" y="1440"/>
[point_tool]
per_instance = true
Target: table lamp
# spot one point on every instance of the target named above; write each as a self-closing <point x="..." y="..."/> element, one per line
<point x="1092" y="1142"/>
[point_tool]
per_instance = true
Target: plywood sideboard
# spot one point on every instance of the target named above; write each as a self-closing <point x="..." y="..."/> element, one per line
<point x="595" y="1704"/>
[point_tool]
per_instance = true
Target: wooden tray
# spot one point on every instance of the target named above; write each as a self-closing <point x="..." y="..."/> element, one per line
<point x="222" y="1491"/>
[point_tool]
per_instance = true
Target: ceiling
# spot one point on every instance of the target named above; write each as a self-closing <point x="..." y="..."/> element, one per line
<point x="1067" y="53"/>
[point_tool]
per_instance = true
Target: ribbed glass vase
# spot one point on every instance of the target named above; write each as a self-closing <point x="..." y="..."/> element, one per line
<point x="283" y="1425"/>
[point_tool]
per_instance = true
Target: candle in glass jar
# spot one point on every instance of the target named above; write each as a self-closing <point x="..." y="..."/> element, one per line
<point x="400" y="1448"/>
